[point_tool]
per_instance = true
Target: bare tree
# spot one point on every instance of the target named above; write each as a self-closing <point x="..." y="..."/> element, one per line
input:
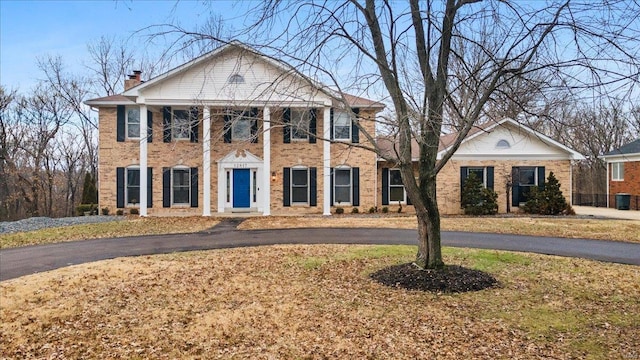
<point x="409" y="53"/>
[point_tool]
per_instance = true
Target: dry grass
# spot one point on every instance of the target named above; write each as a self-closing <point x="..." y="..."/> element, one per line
<point x="618" y="230"/>
<point x="317" y="302"/>
<point x="130" y="227"/>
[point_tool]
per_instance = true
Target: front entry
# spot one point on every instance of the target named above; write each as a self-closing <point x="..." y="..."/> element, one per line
<point x="241" y="188"/>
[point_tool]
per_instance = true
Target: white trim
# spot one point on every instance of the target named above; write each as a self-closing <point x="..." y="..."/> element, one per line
<point x="617" y="175"/>
<point x="404" y="189"/>
<point x="326" y="160"/>
<point x="143" y="159"/>
<point x="127" y="204"/>
<point x="206" y="161"/>
<point x="621" y="158"/>
<point x="343" y="168"/>
<point x="241" y="159"/>
<point x="266" y="167"/>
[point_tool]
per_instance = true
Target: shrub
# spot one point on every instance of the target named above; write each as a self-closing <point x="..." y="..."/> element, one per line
<point x="339" y="210"/>
<point x="373" y="209"/>
<point x="355" y="210"/>
<point x="119" y="212"/>
<point x="548" y="201"/>
<point x="105" y="211"/>
<point x="85" y="208"/>
<point x="385" y="209"/>
<point x="134" y="211"/>
<point x="476" y="199"/>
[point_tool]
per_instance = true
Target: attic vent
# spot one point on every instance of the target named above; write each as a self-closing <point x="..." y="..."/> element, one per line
<point x="236" y="79"/>
<point x="503" y="144"/>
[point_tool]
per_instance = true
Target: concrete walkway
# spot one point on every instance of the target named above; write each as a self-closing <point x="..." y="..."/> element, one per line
<point x="602" y="212"/>
<point x="26" y="260"/>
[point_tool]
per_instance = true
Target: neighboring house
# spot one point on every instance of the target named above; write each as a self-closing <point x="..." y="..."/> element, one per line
<point x="623" y="174"/>
<point x="509" y="157"/>
<point x="237" y="131"/>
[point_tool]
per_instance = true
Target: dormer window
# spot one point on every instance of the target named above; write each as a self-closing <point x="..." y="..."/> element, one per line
<point x="236" y="79"/>
<point x="503" y="144"/>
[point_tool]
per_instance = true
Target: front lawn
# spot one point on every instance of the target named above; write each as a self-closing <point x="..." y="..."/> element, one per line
<point x="318" y="301"/>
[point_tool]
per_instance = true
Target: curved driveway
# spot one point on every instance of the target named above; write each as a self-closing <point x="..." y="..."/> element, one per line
<point x="16" y="262"/>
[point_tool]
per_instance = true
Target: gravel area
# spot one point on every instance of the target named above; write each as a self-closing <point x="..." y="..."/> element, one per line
<point x="37" y="223"/>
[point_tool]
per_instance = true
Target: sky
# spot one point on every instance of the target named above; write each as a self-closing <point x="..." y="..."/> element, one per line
<point x="30" y="29"/>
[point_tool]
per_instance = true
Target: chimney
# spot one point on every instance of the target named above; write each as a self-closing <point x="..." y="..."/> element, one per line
<point x="133" y="80"/>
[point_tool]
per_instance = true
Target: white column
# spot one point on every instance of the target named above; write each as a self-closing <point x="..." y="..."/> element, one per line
<point x="266" y="167"/>
<point x="206" y="161"/>
<point x="326" y="160"/>
<point x="143" y="160"/>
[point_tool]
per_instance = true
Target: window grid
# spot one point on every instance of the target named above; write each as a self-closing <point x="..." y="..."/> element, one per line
<point x="181" y="187"/>
<point x="132" y="190"/>
<point x="341" y="126"/>
<point x="342" y="186"/>
<point x="132" y="120"/>
<point x="396" y="187"/>
<point x="299" y="186"/>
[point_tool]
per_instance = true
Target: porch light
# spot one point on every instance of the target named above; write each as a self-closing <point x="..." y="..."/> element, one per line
<point x="273" y="176"/>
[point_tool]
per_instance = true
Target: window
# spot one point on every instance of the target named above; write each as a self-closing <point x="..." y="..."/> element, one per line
<point x="132" y="120"/>
<point x="300" y="119"/>
<point x="617" y="171"/>
<point x="242" y="123"/>
<point x="181" y="124"/>
<point x="480" y="174"/>
<point x="396" y="188"/>
<point x="299" y="186"/>
<point x="524" y="179"/>
<point x="236" y="79"/>
<point x="341" y="126"/>
<point x="132" y="189"/>
<point x="342" y="186"/>
<point x="181" y="186"/>
<point x="503" y="144"/>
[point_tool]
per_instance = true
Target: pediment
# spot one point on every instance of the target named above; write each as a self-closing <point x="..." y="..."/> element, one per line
<point x="240" y="157"/>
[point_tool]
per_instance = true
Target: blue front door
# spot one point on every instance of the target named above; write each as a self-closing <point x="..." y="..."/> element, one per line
<point x="241" y="188"/>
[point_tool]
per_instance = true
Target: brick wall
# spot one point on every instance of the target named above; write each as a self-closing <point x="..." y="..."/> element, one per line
<point x="631" y="182"/>
<point x="448" y="187"/>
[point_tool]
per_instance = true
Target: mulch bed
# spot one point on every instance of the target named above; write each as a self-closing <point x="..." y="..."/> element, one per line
<point x="450" y="279"/>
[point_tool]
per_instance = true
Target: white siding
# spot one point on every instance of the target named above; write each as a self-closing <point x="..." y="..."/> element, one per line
<point x="208" y="81"/>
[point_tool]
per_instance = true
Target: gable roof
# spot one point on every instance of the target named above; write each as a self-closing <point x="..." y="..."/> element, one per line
<point x="388" y="145"/>
<point x="628" y="149"/>
<point x="128" y="96"/>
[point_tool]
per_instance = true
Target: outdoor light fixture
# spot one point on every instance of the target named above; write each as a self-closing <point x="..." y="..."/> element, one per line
<point x="273" y="176"/>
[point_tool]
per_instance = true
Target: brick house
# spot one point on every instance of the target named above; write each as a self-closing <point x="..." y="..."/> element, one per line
<point x="237" y="131"/>
<point x="623" y="173"/>
<point x="509" y="157"/>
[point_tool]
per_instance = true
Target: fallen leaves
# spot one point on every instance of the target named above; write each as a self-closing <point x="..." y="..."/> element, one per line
<point x="265" y="303"/>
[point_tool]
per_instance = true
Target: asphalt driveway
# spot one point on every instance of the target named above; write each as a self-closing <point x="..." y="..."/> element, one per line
<point x="16" y="262"/>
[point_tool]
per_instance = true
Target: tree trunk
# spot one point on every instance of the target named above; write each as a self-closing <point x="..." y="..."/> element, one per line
<point x="429" y="241"/>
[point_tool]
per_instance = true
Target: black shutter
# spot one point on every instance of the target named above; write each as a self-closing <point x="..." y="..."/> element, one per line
<point x="464" y="173"/>
<point x="254" y="125"/>
<point x="120" y="124"/>
<point x="119" y="187"/>
<point x="227" y="128"/>
<point x="490" y="177"/>
<point x="286" y="187"/>
<point x="331" y="123"/>
<point x="385" y="186"/>
<point x="149" y="126"/>
<point x="194" y="187"/>
<point x="313" y="126"/>
<point x="286" y="130"/>
<point x="166" y="187"/>
<point x="541" y="178"/>
<point x="331" y="174"/>
<point x="193" y="118"/>
<point x="515" y="186"/>
<point x="313" y="186"/>
<point x="355" y="131"/>
<point x="166" y="124"/>
<point x="355" y="186"/>
<point x="149" y="187"/>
